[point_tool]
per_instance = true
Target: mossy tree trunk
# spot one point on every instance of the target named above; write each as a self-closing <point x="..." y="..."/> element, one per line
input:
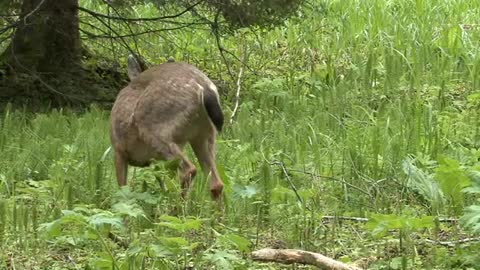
<point x="45" y="50"/>
<point x="47" y="39"/>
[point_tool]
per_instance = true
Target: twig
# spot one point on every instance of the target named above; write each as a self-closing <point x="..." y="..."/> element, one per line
<point x="216" y="33"/>
<point x="237" y="94"/>
<point x="126" y="24"/>
<point x="32" y="12"/>
<point x="287" y="176"/>
<point x="334" y="179"/>
<point x="242" y="62"/>
<point x="290" y="256"/>
<point x="114" y="32"/>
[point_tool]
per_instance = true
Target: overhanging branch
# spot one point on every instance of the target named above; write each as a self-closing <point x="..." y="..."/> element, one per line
<point x="133" y="34"/>
<point x="160" y="18"/>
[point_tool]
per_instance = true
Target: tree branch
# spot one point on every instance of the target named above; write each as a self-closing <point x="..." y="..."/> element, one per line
<point x="100" y="19"/>
<point x="101" y="15"/>
<point x="133" y="34"/>
<point x="32" y="12"/>
<point x="237" y="94"/>
<point x="216" y="33"/>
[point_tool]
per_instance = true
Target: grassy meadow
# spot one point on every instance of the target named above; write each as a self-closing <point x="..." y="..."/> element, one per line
<point x="365" y="109"/>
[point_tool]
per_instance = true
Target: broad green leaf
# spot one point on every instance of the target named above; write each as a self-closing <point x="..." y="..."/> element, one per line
<point x="174" y="244"/>
<point x="245" y="192"/>
<point x="170" y="219"/>
<point x="240" y="242"/>
<point x="134" y="249"/>
<point x="223" y="259"/>
<point x="192" y="224"/>
<point x="159" y="251"/>
<point x="471" y="218"/>
<point x="180" y="225"/>
<point x="452" y="179"/>
<point x="422" y="222"/>
<point x="146" y="197"/>
<point x="474" y="175"/>
<point x="380" y="223"/>
<point x="52" y="229"/>
<point x="102" y="261"/>
<point x="128" y="209"/>
<point x="105" y="218"/>
<point x="424" y="184"/>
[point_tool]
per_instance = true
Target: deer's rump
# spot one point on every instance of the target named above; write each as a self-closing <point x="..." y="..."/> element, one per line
<point x="168" y="103"/>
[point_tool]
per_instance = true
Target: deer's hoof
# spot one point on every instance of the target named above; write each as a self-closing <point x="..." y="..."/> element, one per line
<point x="216" y="190"/>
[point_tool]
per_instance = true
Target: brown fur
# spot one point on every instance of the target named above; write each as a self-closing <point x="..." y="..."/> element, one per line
<point x="158" y="113"/>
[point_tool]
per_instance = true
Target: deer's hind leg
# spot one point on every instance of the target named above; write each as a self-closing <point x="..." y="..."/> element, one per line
<point x="204" y="149"/>
<point x="187" y="170"/>
<point x="121" y="167"/>
<point x="166" y="149"/>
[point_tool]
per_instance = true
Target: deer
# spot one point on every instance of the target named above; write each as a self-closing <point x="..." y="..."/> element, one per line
<point x="162" y="109"/>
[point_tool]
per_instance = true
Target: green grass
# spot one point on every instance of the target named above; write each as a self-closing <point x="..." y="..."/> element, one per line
<point x="359" y="108"/>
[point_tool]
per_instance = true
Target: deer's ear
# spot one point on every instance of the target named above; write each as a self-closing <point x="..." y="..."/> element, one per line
<point x="133" y="67"/>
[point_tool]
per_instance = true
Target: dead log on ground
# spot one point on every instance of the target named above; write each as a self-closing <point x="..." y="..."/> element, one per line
<point x="289" y="256"/>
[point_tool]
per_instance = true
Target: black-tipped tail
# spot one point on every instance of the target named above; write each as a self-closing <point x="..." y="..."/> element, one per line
<point x="212" y="105"/>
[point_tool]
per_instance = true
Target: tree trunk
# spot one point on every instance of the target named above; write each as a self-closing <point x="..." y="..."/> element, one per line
<point x="47" y="39"/>
<point x="43" y="60"/>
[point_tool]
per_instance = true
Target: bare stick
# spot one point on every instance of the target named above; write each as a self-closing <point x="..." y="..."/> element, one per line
<point x="357" y="219"/>
<point x="289" y="256"/>
<point x="453" y="243"/>
<point x="287" y="176"/>
<point x="237" y="94"/>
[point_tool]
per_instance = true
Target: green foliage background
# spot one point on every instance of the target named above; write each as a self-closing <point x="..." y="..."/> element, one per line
<point x="351" y="108"/>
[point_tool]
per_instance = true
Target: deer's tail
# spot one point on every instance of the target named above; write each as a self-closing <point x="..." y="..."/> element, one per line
<point x="212" y="105"/>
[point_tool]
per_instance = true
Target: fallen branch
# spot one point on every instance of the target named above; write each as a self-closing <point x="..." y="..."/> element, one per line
<point x="453" y="243"/>
<point x="362" y="219"/>
<point x="357" y="219"/>
<point x="289" y="256"/>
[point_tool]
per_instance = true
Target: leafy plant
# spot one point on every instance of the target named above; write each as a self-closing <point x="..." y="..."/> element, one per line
<point x="424" y="184"/>
<point x="471" y="217"/>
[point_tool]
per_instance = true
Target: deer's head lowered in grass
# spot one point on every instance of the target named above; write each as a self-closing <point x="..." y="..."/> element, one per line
<point x="159" y="112"/>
